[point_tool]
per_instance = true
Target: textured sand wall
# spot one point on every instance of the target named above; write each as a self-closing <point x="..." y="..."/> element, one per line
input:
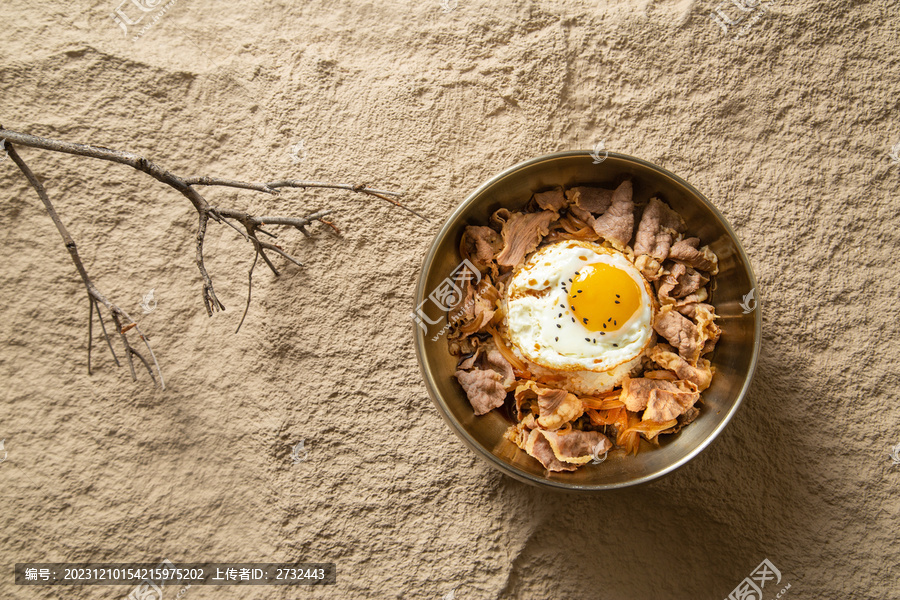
<point x="787" y="128"/>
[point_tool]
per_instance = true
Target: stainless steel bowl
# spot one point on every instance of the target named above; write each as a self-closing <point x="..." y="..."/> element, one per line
<point x="734" y="358"/>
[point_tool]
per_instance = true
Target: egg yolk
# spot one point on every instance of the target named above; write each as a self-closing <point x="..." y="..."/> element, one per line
<point x="603" y="297"/>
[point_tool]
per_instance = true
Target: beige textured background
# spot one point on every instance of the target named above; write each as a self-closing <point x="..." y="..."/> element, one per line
<point x="788" y="129"/>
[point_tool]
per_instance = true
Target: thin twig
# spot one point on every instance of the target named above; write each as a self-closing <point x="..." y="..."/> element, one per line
<point x="362" y="189"/>
<point x="277" y="249"/>
<point x="332" y="225"/>
<point x="90" y="330"/>
<point x="295" y="183"/>
<point x="105" y="335"/>
<point x="259" y="187"/>
<point x="249" y="291"/>
<point x="233" y="226"/>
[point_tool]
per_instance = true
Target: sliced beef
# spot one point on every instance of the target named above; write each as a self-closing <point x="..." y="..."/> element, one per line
<point x="468" y="362"/>
<point x="689" y="416"/>
<point x="700" y="374"/>
<point x="665" y="405"/>
<point x="703" y="259"/>
<point x="577" y="446"/>
<point x="649" y="267"/>
<point x="690" y="283"/>
<point x="690" y="310"/>
<point x="591" y="199"/>
<point x="660" y="399"/>
<point x="486" y="385"/>
<point x="565" y="452"/>
<point x="499" y="218"/>
<point x="484" y="388"/>
<point x="480" y="244"/>
<point x="700" y="295"/>
<point x="565" y="410"/>
<point x="554" y="200"/>
<point x="704" y="316"/>
<point x="525" y="396"/>
<point x="479" y="306"/>
<point x="555" y="407"/>
<point x="681" y="281"/>
<point x="537" y="446"/>
<point x="549" y="400"/>
<point x="617" y="223"/>
<point x="657" y="229"/>
<point x="522" y="233"/>
<point x="636" y="392"/>
<point x="583" y="214"/>
<point x="571" y="227"/>
<point x="680" y="332"/>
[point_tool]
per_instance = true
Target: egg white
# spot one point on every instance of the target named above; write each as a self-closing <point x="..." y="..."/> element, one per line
<point x="536" y="296"/>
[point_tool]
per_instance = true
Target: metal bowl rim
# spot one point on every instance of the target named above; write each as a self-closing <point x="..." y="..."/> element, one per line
<point x="480" y="450"/>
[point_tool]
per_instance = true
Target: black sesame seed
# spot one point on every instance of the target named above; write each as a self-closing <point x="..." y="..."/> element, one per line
<point x="618" y="296"/>
<point x="573" y="319"/>
<point x="609" y="319"/>
<point x="615" y="345"/>
<point x="559" y="326"/>
<point x="614" y="323"/>
<point x="595" y="340"/>
<point x="579" y="291"/>
<point x="585" y="321"/>
<point x="587" y="339"/>
<point x="570" y="280"/>
<point x="572" y="307"/>
<point x="617" y="301"/>
<point x="560" y="314"/>
<point x="556" y="338"/>
<point x="602" y="333"/>
<point x="604" y="326"/>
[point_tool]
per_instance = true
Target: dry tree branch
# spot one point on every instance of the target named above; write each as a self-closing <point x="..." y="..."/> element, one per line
<point x="251" y="227"/>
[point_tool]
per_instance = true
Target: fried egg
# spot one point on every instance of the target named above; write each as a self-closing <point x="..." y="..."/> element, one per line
<point x="580" y="306"/>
